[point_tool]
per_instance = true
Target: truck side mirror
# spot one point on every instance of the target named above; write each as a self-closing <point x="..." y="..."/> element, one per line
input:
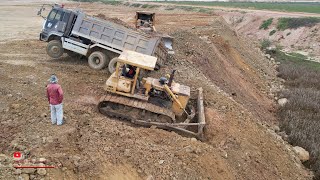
<point x="40" y="12"/>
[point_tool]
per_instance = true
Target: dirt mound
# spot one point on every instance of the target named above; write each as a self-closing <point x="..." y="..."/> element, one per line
<point x="91" y="146"/>
<point x="114" y="20"/>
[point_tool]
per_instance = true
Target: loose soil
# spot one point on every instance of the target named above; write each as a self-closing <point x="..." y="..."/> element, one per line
<point x="208" y="53"/>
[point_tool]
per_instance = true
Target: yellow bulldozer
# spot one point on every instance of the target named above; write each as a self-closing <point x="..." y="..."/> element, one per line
<point x="147" y="101"/>
<point x="145" y="20"/>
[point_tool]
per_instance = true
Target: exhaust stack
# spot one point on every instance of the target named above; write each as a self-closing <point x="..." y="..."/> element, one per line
<point x="171" y="78"/>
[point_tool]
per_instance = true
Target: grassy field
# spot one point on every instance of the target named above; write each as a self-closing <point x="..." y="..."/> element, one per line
<point x="294" y="23"/>
<point x="299" y="118"/>
<point x="312" y="7"/>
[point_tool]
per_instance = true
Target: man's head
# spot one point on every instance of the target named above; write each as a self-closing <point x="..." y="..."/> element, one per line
<point x="167" y="76"/>
<point x="53" y="79"/>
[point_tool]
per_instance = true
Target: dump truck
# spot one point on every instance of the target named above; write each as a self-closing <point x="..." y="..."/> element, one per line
<point x="148" y="101"/>
<point x="100" y="40"/>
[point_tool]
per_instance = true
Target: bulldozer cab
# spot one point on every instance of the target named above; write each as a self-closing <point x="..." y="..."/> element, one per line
<point x="145" y="20"/>
<point x="124" y="80"/>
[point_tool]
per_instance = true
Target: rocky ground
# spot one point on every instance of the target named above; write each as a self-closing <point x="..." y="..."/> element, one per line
<point x="240" y="143"/>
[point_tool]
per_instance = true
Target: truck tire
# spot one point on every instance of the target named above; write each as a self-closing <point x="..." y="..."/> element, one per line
<point x="54" y="49"/>
<point x="157" y="67"/>
<point x="112" y="65"/>
<point x="98" y="60"/>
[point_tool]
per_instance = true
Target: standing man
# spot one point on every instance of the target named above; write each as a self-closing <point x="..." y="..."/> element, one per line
<point x="55" y="97"/>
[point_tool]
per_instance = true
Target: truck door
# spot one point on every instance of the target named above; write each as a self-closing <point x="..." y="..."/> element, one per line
<point x="69" y="19"/>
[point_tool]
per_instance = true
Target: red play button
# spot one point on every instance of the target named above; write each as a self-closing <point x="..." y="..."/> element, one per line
<point x="17" y="155"/>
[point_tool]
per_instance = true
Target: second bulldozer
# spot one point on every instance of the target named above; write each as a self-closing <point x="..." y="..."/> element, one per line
<point x="148" y="101"/>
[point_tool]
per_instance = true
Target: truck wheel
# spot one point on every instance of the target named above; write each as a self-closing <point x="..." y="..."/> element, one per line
<point x="157" y="67"/>
<point x="112" y="65"/>
<point x="98" y="60"/>
<point x="54" y="49"/>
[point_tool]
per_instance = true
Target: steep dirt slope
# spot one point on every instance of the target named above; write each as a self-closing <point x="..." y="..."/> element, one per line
<point x="232" y="126"/>
<point x="231" y="65"/>
<point x="233" y="74"/>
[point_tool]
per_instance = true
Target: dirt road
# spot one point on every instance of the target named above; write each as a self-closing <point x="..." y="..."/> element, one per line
<point x="232" y="72"/>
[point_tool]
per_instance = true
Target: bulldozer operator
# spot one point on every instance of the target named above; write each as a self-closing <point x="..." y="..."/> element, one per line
<point x="128" y="71"/>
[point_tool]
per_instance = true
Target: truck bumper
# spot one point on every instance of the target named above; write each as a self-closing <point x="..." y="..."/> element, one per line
<point x="43" y="36"/>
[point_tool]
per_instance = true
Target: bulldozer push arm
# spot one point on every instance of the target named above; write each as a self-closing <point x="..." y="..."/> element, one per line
<point x="173" y="96"/>
<point x="183" y="128"/>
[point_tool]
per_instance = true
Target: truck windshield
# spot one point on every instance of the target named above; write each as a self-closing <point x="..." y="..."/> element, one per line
<point x="59" y="15"/>
<point x="52" y="14"/>
<point x="55" y="15"/>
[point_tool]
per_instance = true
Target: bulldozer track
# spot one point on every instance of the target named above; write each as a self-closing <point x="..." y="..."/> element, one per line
<point x="132" y="109"/>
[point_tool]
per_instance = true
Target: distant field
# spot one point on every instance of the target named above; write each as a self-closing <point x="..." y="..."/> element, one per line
<point x="312" y="7"/>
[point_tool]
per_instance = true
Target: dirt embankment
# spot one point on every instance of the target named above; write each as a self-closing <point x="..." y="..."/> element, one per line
<point x="208" y="53"/>
<point x="303" y="39"/>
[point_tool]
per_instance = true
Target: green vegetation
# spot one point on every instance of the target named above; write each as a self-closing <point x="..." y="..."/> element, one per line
<point x="266" y="23"/>
<point x="149" y="6"/>
<point x="310" y="7"/>
<point x="294" y="23"/>
<point x="272" y="32"/>
<point x="111" y="2"/>
<point x="187" y="8"/>
<point x="265" y="43"/>
<point x="135" y="5"/>
<point x="296" y="59"/>
<point x="205" y="10"/>
<point x="169" y="8"/>
<point x="299" y="118"/>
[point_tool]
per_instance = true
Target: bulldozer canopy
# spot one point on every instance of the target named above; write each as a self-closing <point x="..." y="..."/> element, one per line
<point x="145" y="12"/>
<point x="137" y="59"/>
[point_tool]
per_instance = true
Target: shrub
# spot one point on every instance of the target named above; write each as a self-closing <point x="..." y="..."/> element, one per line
<point x="294" y="23"/>
<point x="135" y="5"/>
<point x="300" y="119"/>
<point x="264" y="44"/>
<point x="288" y="33"/>
<point x="266" y="23"/>
<point x="300" y="116"/>
<point x="272" y="32"/>
<point x="205" y="10"/>
<point x="144" y="6"/>
<point x="187" y="8"/>
<point x="154" y="6"/>
<point x="169" y="8"/>
<point x="112" y="2"/>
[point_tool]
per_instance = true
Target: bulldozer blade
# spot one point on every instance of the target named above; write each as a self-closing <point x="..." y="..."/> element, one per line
<point x="201" y="116"/>
<point x="182" y="128"/>
<point x="168" y="41"/>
